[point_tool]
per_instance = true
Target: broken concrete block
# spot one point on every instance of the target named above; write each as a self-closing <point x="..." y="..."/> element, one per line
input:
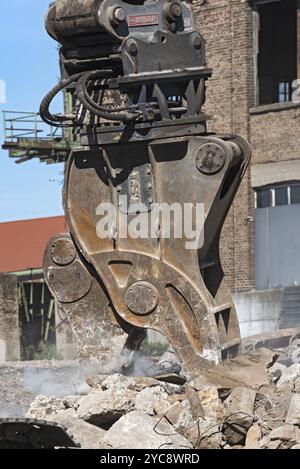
<point x="103" y="408"/>
<point x="283" y="437"/>
<point x="204" y="433"/>
<point x="210" y="434"/>
<point x="147" y="397"/>
<point x="253" y="437"/>
<point x="138" y="430"/>
<point x="211" y="404"/>
<point x="192" y="395"/>
<point x="95" y="381"/>
<point x="145" y="382"/>
<point x="87" y="435"/>
<point x="43" y="406"/>
<point x="246" y="370"/>
<point x="293" y="415"/>
<point x="288" y="377"/>
<point x="185" y="417"/>
<point x="161" y="407"/>
<point x="174" y="412"/>
<point x="239" y="415"/>
<point x="71" y="402"/>
<point x="296" y="387"/>
<point x="276" y="371"/>
<point x="117" y="382"/>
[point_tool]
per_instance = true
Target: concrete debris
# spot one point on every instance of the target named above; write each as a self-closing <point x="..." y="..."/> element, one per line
<point x="185" y="417"/>
<point x="239" y="415"/>
<point x="296" y="387"/>
<point x="211" y="403"/>
<point x="42" y="407"/>
<point x="146" y="399"/>
<point x="95" y="381"/>
<point x="283" y="437"/>
<point x="293" y="415"/>
<point x="71" y="402"/>
<point x="161" y="407"/>
<point x="246" y="370"/>
<point x="210" y="435"/>
<point x="168" y="363"/>
<point x="145" y="382"/>
<point x="117" y="382"/>
<point x="276" y="371"/>
<point x="253" y="437"/>
<point x="250" y="402"/>
<point x="138" y="430"/>
<point x="87" y="435"/>
<point x="289" y="376"/>
<point x="103" y="408"/>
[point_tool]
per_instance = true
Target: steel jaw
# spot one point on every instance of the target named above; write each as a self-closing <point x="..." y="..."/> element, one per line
<point x="151" y="282"/>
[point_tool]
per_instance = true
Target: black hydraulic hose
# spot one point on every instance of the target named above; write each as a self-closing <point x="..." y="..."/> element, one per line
<point x="83" y="82"/>
<point x="54" y="119"/>
<point x="104" y="112"/>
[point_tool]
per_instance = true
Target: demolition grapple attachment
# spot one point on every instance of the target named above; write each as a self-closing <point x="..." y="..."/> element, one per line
<point x="147" y="188"/>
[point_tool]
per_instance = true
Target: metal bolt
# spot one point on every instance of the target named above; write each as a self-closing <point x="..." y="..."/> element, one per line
<point x="175" y="10"/>
<point x="119" y="14"/>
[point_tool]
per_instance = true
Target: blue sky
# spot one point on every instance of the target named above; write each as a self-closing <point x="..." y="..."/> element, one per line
<point x="29" y="66"/>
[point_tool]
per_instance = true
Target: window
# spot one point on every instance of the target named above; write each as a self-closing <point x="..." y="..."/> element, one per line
<point x="279" y="195"/>
<point x="277" y="50"/>
<point x="263" y="198"/>
<point x="277" y="240"/>
<point x="295" y="194"/>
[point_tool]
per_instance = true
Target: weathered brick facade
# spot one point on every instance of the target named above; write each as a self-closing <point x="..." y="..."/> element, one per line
<point x="273" y="131"/>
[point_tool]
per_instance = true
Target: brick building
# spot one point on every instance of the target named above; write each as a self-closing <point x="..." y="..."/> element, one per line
<point x="252" y="47"/>
<point x="28" y="315"/>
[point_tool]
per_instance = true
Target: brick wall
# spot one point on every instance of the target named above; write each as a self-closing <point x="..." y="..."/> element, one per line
<point x="227" y="26"/>
<point x="281" y="141"/>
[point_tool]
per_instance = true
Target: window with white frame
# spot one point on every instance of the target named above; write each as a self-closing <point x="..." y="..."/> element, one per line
<point x="277" y="195"/>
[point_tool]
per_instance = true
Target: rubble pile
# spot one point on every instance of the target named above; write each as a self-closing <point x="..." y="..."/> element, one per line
<point x="250" y="402"/>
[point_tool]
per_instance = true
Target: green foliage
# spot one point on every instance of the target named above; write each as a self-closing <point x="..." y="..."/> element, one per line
<point x="151" y="349"/>
<point x="44" y="351"/>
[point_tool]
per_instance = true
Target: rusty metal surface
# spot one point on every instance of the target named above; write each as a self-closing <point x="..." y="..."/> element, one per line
<point x="142" y="298"/>
<point x="83" y="303"/>
<point x="194" y="310"/>
<point x="155" y="149"/>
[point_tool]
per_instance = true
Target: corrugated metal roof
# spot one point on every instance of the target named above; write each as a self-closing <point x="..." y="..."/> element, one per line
<point x="22" y="243"/>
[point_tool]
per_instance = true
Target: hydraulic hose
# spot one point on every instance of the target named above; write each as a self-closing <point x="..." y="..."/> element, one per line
<point x="56" y="120"/>
<point x="104" y="112"/>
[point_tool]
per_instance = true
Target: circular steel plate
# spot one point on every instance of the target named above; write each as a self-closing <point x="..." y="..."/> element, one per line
<point x="210" y="158"/>
<point x="142" y="298"/>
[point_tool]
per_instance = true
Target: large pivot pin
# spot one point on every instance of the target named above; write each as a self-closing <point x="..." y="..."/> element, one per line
<point x="210" y="158"/>
<point x="63" y="252"/>
<point x="142" y="298"/>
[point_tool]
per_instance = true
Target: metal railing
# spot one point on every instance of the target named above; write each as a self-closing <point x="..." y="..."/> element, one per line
<point x="27" y="125"/>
